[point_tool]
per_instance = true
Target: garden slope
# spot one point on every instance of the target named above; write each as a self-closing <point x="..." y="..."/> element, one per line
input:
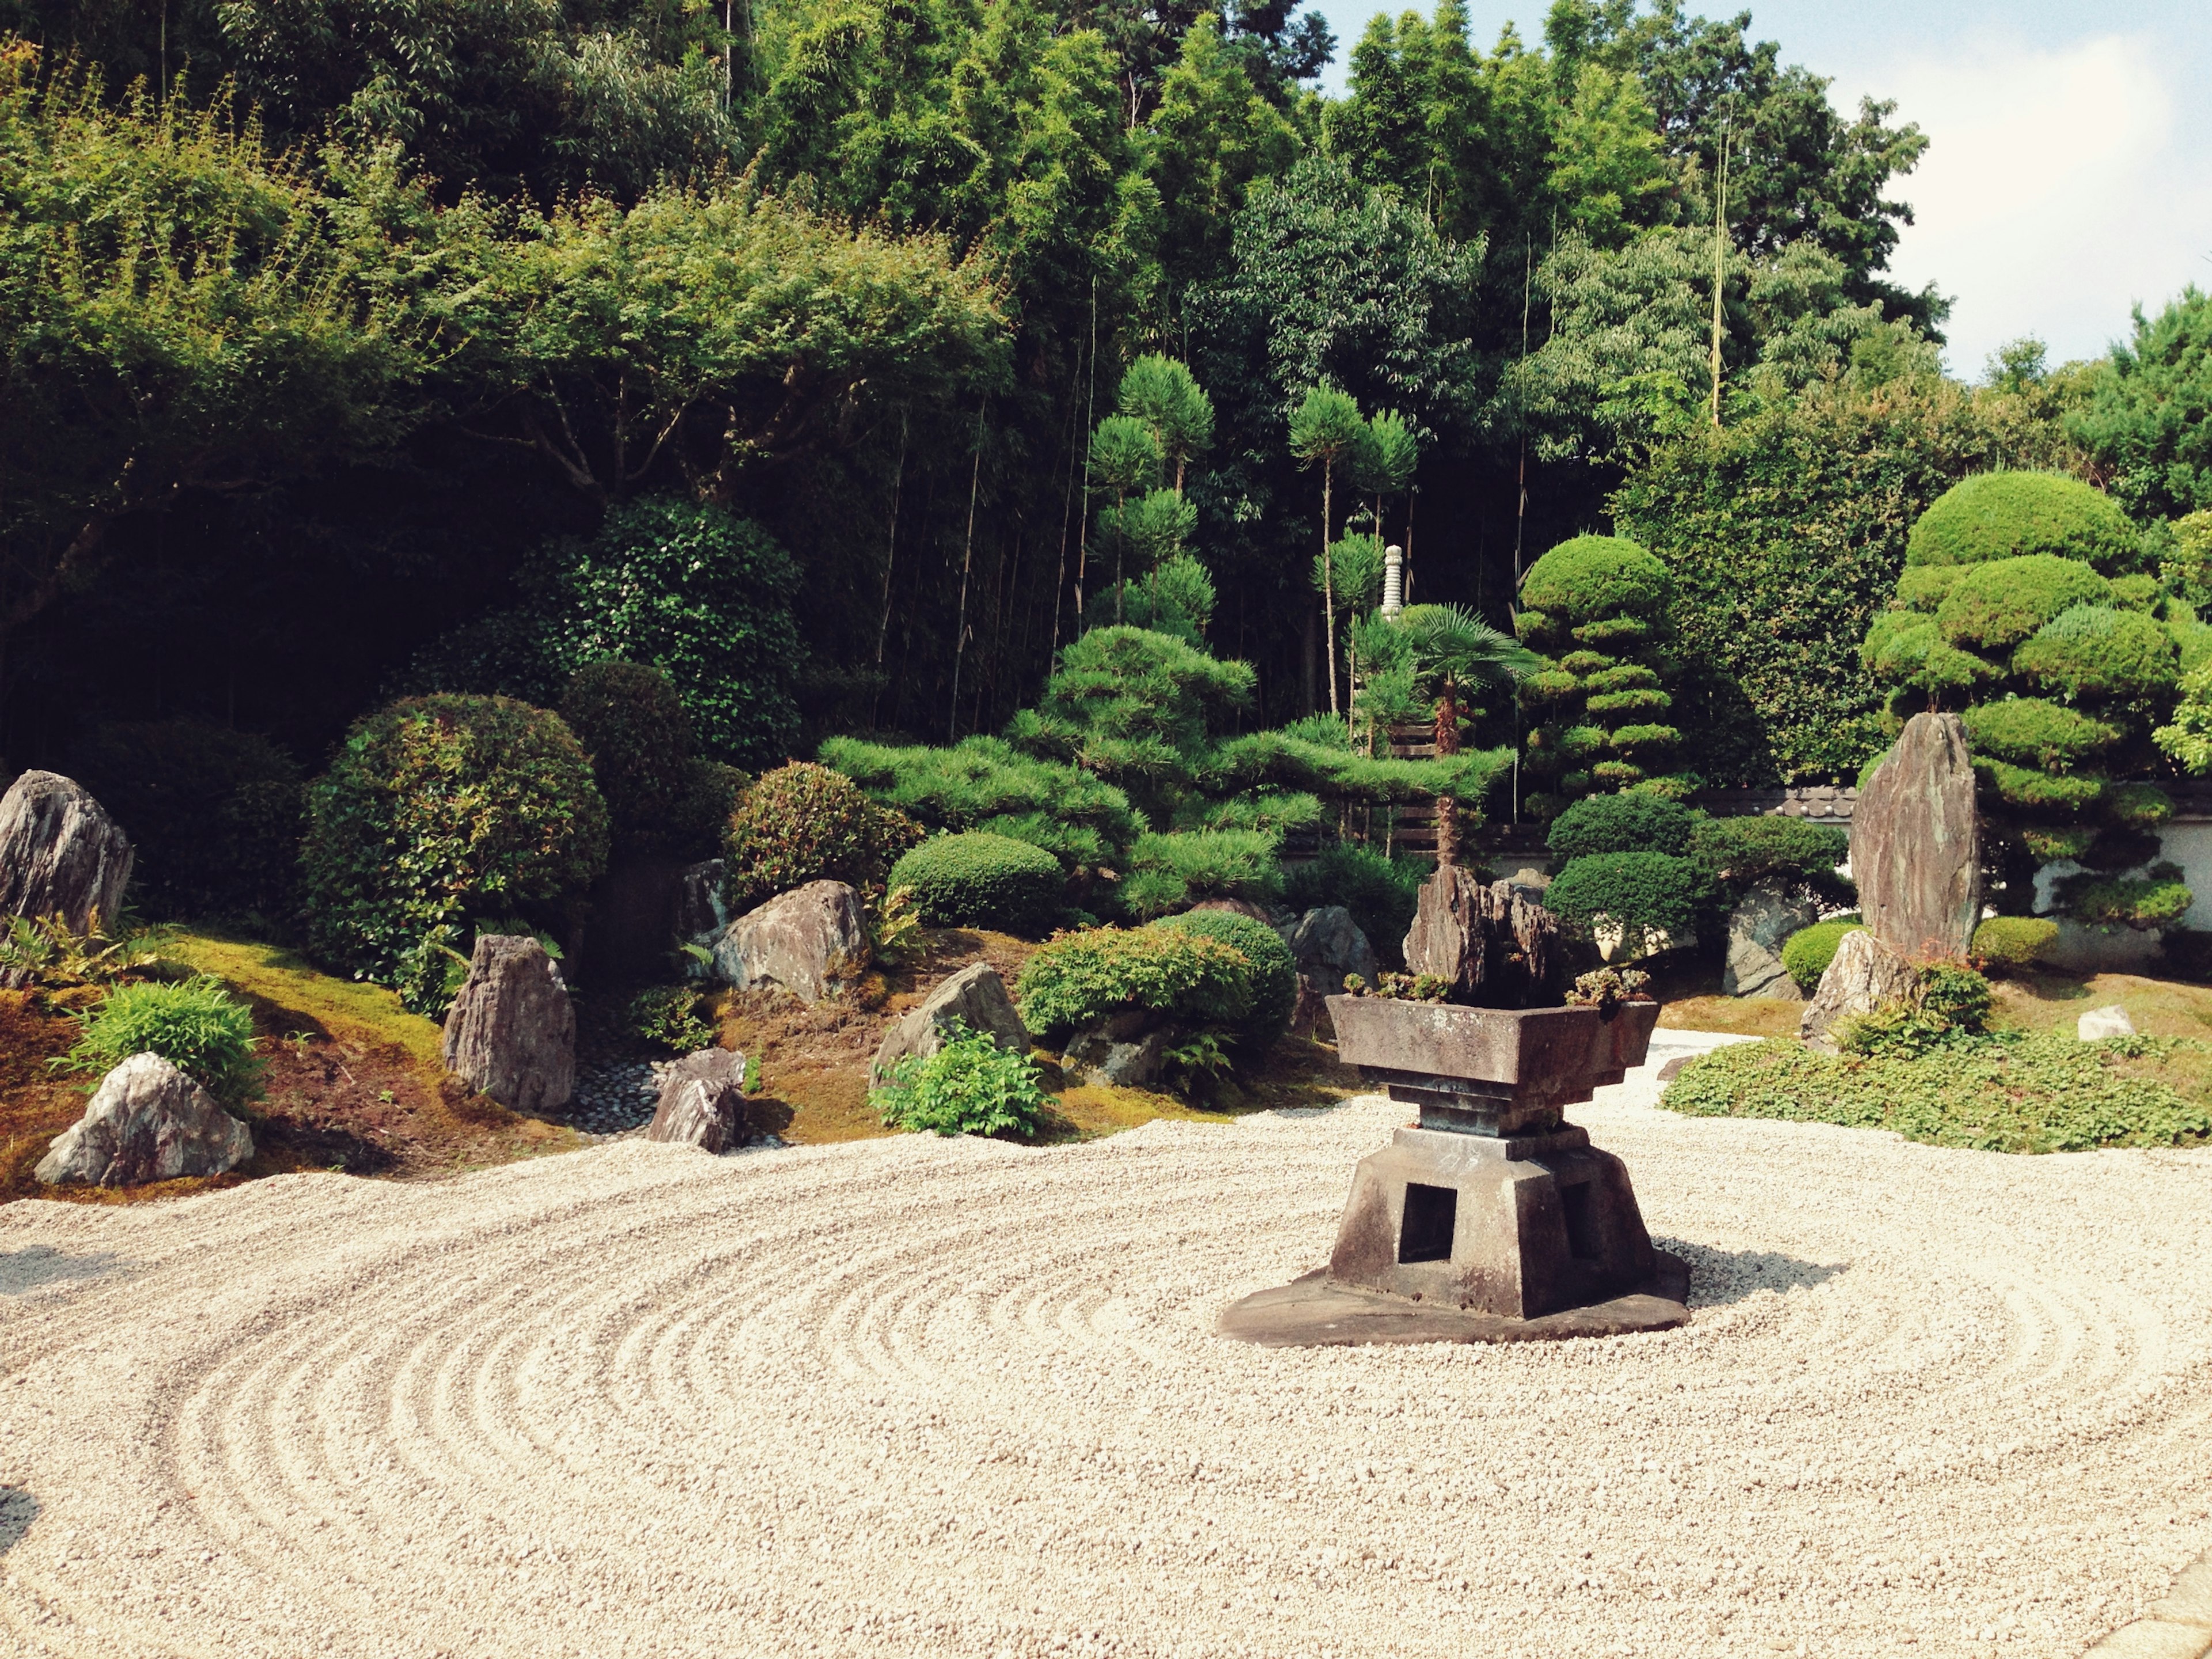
<point x="957" y="1397"/>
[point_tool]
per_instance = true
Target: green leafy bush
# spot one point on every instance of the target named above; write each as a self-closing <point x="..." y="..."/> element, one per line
<point x="1173" y="871"/>
<point x="672" y="1016"/>
<point x="970" y="1086"/>
<point x="1274" y="969"/>
<point x="2032" y="732"/>
<point x="2012" y="944"/>
<point x="2004" y="1092"/>
<point x="1741" y="853"/>
<point x="195" y="1024"/>
<point x="805" y="822"/>
<point x="2156" y="900"/>
<point x="1994" y="606"/>
<point x="631" y="723"/>
<point x="1631" y="822"/>
<point x="700" y="816"/>
<point x="1079" y="979"/>
<point x="1640" y="891"/>
<point x="2090" y="653"/>
<point x="1807" y="953"/>
<point x="435" y="809"/>
<point x="977" y="879"/>
<point x="215" y="815"/>
<point x="2002" y="515"/>
<point x="1381" y="893"/>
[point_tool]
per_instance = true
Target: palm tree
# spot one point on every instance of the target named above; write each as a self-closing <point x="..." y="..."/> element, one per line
<point x="1455" y="651"/>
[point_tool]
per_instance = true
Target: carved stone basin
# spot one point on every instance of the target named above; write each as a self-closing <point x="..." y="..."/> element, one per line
<point x="1492" y="1218"/>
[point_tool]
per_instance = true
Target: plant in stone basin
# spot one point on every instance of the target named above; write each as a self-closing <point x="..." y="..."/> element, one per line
<point x="971" y="1086"/>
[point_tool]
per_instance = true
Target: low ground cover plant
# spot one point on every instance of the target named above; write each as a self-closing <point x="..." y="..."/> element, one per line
<point x="978" y="879"/>
<point x="194" y="1023"/>
<point x="970" y="1086"/>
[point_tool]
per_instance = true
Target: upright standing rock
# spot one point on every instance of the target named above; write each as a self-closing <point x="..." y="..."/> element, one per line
<point x="1864" y="977"/>
<point x="1329" y="949"/>
<point x="60" y="853"/>
<point x="1915" y="849"/>
<point x="511" y="1034"/>
<point x="703" y="1100"/>
<point x="147" y="1121"/>
<point x="1759" y="927"/>
<point x="1489" y="943"/>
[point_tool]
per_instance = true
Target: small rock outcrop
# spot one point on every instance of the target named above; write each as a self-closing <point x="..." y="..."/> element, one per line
<point x="703" y="1100"/>
<point x="1864" y="976"/>
<point x="147" y="1121"/>
<point x="1329" y="947"/>
<point x="60" y="853"/>
<point x="812" y="941"/>
<point x="975" y="995"/>
<point x="2098" y="1022"/>
<point x="1491" y="944"/>
<point x="1129" y="1051"/>
<point x="511" y="1034"/>
<point x="1758" y="928"/>
<point x="1916" y="847"/>
<point x="1236" y="907"/>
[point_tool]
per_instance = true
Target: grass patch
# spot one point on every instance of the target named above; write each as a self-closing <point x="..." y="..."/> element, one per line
<point x="1766" y="1016"/>
<point x="2007" y="1091"/>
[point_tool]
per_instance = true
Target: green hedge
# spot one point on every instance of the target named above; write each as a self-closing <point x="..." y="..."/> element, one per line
<point x="2001" y="515"/>
<point x="1076" y="981"/>
<point x="981" y="880"/>
<point x="1807" y="953"/>
<point x="1274" y="969"/>
<point x="1639" y="891"/>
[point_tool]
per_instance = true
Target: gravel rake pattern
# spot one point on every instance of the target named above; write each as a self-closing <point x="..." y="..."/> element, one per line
<point x="957" y="1397"/>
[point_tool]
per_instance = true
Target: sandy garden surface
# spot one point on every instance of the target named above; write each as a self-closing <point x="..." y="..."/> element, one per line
<point x="957" y="1397"/>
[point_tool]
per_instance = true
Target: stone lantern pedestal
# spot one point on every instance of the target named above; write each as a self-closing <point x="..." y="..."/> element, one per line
<point x="1492" y="1219"/>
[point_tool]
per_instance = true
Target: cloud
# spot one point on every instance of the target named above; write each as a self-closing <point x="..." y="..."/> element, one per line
<point x="2057" y="191"/>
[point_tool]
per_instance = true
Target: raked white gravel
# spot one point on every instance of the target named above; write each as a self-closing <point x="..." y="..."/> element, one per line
<point x="922" y="1396"/>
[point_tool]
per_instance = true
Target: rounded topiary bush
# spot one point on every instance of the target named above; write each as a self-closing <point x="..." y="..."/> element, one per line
<point x="632" y="723"/>
<point x="1631" y="823"/>
<point x="1992" y="607"/>
<point x="805" y="822"/>
<point x="214" y="814"/>
<point x="981" y="880"/>
<point x="2012" y="944"/>
<point x="2002" y="515"/>
<point x="1639" y="892"/>
<point x="1742" y="852"/>
<point x="1274" y="969"/>
<point x="1078" y="980"/>
<point x="2093" y="653"/>
<point x="438" y="809"/>
<point x="1592" y="578"/>
<point x="1807" y="953"/>
<point x="2033" y="732"/>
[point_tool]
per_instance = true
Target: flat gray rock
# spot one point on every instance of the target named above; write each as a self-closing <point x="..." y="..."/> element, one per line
<point x="976" y="996"/>
<point x="2099" y="1022"/>
<point x="511" y="1034"/>
<point x="147" y="1121"/>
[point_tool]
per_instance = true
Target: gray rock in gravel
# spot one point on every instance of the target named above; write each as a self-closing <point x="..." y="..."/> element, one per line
<point x="511" y="1034"/>
<point x="147" y="1121"/>
<point x="975" y="995"/>
<point x="2112" y="1022"/>
<point x="60" y="853"/>
<point x="1915" y="844"/>
<point x="812" y="941"/>
<point x="703" y="1100"/>
<point x="1328" y="946"/>
<point x="1866" y="975"/>
<point x="1758" y="927"/>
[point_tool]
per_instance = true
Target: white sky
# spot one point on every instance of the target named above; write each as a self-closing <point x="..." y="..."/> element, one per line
<point x="2069" y="174"/>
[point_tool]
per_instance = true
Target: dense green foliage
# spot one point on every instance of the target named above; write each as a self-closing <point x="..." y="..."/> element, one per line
<point x="2005" y="516"/>
<point x="1640" y="893"/>
<point x="1739" y="853"/>
<point x="805" y="822"/>
<point x="1807" y="953"/>
<point x="977" y="879"/>
<point x="1274" y="969"/>
<point x="632" y="723"/>
<point x="436" y="810"/>
<point x="969" y="1086"/>
<point x="1079" y="979"/>
<point x="2012" y="944"/>
<point x="1380" y="892"/>
<point x="194" y="1023"/>
<point x="2148" y="417"/>
<point x="2005" y="1092"/>
<point x="1632" y="822"/>
<point x="215" y="815"/>
<point x="985" y="783"/>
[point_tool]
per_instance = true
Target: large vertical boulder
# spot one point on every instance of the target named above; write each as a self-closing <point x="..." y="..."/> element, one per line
<point x="976" y="997"/>
<point x="1759" y="927"/>
<point x="147" y="1121"/>
<point x="1490" y="944"/>
<point x="60" y="853"/>
<point x="1329" y="948"/>
<point x="1916" y="847"/>
<point x="1864" y="977"/>
<point x="703" y="1100"/>
<point x="812" y="941"/>
<point x="511" y="1034"/>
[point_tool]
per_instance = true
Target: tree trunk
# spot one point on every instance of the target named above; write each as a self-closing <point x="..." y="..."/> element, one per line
<point x="1447" y="808"/>
<point x="1328" y="586"/>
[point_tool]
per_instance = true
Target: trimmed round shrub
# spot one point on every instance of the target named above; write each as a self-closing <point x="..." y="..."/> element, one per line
<point x="1807" y="953"/>
<point x="981" y="880"/>
<point x="1994" y="606"/>
<point x="195" y="1025"/>
<point x="1599" y="576"/>
<point x="2033" y="732"/>
<point x="1639" y="891"/>
<point x="437" y="809"/>
<point x="2002" y="516"/>
<point x="805" y="822"/>
<point x="2142" y="902"/>
<point x="2012" y="944"/>
<point x="632" y="723"/>
<point x="1274" y="969"/>
<point x="1741" y="853"/>
<point x="2142" y="804"/>
<point x="2094" y="653"/>
<point x="1079" y="979"/>
<point x="214" y="814"/>
<point x="1381" y="893"/>
<point x="1633" y="822"/>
